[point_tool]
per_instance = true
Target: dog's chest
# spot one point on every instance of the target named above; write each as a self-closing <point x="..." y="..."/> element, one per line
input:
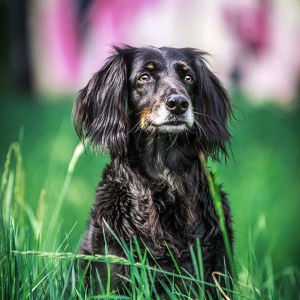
<point x="175" y="211"/>
<point x="165" y="210"/>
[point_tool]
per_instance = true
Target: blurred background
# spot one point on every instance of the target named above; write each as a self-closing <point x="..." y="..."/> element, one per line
<point x="50" y="48"/>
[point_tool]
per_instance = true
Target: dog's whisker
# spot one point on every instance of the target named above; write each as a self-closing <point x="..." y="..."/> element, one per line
<point x="210" y="117"/>
<point x="140" y="131"/>
<point x="201" y="129"/>
<point x="134" y="128"/>
<point x="138" y="126"/>
<point x="173" y="143"/>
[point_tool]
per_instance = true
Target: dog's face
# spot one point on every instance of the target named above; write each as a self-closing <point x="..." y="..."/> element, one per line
<point x="162" y="90"/>
<point x="158" y="91"/>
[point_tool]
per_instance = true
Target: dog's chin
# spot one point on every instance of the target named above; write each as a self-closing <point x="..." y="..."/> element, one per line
<point x="172" y="127"/>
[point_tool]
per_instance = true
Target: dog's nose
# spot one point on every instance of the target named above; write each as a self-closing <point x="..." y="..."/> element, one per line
<point x="177" y="104"/>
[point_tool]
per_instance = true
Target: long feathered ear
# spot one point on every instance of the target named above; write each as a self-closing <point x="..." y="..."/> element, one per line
<point x="213" y="109"/>
<point x="101" y="109"/>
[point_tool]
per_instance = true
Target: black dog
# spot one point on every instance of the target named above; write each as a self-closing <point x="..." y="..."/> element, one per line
<point x="154" y="110"/>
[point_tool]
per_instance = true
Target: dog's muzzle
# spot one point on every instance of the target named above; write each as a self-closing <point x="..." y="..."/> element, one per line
<point x="175" y="114"/>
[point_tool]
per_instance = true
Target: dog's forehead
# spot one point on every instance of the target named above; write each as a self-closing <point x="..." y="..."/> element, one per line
<point x="145" y="56"/>
<point x="175" y="54"/>
<point x="149" y="57"/>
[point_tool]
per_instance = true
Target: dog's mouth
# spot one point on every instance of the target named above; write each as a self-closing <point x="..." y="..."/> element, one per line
<point x="173" y="123"/>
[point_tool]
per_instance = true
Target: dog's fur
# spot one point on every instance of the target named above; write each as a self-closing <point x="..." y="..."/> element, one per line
<point x="154" y="110"/>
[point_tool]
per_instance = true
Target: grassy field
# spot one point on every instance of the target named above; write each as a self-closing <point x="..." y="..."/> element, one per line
<point x="47" y="191"/>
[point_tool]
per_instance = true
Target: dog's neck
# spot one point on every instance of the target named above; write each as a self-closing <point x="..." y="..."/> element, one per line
<point x="164" y="156"/>
<point x="169" y="166"/>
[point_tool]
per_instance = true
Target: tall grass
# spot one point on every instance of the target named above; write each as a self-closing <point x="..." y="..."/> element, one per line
<point x="35" y="263"/>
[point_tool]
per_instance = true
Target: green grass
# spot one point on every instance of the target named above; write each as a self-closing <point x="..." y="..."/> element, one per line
<point x="47" y="190"/>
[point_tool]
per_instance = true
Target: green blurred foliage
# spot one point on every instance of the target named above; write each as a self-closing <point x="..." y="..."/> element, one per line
<point x="261" y="178"/>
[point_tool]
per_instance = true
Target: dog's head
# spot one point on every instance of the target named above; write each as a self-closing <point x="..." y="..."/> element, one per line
<point x="158" y="91"/>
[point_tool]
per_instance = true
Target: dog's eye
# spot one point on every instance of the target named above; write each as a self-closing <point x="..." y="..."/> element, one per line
<point x="188" y="79"/>
<point x="144" y="78"/>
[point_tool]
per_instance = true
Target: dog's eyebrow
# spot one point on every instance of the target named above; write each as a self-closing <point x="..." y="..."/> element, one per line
<point x="182" y="65"/>
<point x="150" y="66"/>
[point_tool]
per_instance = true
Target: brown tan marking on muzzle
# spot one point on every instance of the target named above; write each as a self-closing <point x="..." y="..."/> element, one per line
<point x="144" y="116"/>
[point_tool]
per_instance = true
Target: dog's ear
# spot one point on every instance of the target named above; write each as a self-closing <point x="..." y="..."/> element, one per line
<point x="101" y="109"/>
<point x="213" y="109"/>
